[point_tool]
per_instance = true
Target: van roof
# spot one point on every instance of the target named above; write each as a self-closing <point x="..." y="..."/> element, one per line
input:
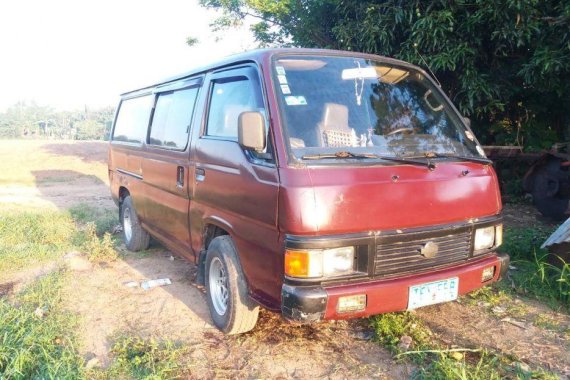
<point x="259" y="55"/>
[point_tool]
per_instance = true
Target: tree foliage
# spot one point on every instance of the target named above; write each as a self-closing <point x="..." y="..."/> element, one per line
<point x="505" y="63"/>
<point x="31" y="120"/>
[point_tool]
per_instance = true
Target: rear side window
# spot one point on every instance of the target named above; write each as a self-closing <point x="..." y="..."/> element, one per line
<point x="132" y="120"/>
<point x="228" y="100"/>
<point x="172" y="116"/>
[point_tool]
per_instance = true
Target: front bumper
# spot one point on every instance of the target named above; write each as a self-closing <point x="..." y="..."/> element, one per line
<point x="314" y="303"/>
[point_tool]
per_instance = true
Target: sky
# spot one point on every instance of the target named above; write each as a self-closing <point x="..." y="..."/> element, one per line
<point x="70" y="53"/>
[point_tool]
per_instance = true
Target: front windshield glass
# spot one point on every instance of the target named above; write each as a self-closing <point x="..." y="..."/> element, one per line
<point x="365" y="107"/>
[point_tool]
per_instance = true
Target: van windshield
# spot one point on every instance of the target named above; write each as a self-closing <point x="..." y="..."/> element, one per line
<point x="341" y="107"/>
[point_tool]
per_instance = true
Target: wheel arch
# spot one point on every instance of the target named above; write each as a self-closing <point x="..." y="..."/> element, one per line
<point x="214" y="227"/>
<point x="123" y="193"/>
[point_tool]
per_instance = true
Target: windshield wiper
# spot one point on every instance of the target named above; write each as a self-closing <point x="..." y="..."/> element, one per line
<point x="344" y="154"/>
<point x="341" y="154"/>
<point x="479" y="160"/>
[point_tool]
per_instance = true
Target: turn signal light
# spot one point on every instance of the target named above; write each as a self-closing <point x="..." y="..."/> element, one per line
<point x="297" y="263"/>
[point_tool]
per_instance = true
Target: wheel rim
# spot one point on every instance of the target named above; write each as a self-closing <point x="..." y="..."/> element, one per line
<point x="127" y="224"/>
<point x="218" y="281"/>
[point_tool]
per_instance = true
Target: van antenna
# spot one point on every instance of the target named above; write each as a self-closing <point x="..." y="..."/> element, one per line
<point x="426" y="64"/>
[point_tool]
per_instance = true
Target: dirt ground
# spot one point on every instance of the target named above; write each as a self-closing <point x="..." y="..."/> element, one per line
<point x="53" y="174"/>
<point x="57" y="175"/>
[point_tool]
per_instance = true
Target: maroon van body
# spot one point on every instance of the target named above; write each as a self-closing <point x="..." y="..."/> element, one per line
<point x="390" y="212"/>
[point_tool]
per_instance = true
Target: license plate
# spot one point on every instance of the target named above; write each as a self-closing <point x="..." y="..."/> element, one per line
<point x="433" y="292"/>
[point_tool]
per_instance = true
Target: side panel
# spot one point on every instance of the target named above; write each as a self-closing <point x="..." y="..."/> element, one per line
<point x="165" y="203"/>
<point x="125" y="165"/>
<point x="242" y="198"/>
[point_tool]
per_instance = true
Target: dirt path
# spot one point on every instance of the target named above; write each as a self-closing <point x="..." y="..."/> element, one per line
<point x="470" y="325"/>
<point x="178" y="312"/>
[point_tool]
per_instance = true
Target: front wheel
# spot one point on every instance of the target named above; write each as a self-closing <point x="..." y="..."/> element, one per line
<point x="231" y="309"/>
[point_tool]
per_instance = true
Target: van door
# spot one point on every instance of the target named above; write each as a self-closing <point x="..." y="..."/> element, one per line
<point x="235" y="189"/>
<point x="166" y="165"/>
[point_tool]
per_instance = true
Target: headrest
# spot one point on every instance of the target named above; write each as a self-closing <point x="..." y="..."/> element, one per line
<point x="335" y="116"/>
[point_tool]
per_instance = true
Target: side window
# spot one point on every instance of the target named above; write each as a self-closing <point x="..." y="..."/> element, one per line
<point x="172" y="116"/>
<point x="228" y="100"/>
<point x="132" y="120"/>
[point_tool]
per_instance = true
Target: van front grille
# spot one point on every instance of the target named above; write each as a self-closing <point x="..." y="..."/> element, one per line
<point x="404" y="256"/>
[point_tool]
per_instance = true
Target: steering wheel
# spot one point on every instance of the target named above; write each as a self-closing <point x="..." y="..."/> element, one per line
<point x="407" y="131"/>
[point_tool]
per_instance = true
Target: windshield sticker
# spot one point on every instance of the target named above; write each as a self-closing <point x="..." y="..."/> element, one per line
<point x="285" y="89"/>
<point x="295" y="100"/>
<point x="282" y="79"/>
<point x="469" y="135"/>
<point x="280" y="70"/>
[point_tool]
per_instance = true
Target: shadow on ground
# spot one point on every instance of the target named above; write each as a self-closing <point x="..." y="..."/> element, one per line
<point x="87" y="151"/>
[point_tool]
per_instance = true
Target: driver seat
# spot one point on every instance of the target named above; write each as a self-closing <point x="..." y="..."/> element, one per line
<point x="333" y="128"/>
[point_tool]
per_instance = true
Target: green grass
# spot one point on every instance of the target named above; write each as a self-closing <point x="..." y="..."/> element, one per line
<point x="31" y="238"/>
<point x="536" y="276"/>
<point x="36" y="347"/>
<point x="105" y="220"/>
<point x="138" y="358"/>
<point x="34" y="237"/>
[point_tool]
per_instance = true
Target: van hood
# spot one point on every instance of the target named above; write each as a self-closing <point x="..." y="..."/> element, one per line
<point x="322" y="200"/>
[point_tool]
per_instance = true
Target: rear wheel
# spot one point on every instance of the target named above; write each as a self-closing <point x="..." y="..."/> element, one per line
<point x="231" y="309"/>
<point x="135" y="238"/>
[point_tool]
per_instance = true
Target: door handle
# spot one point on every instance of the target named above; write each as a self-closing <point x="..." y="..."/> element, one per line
<point x="180" y="176"/>
<point x="200" y="174"/>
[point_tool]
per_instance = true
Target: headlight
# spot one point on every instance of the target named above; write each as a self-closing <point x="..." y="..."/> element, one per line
<point x="488" y="237"/>
<point x="315" y="263"/>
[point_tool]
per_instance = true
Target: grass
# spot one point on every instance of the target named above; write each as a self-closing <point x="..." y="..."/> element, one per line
<point x="98" y="249"/>
<point x="37" y="339"/>
<point x="25" y="161"/>
<point x="33" y="346"/>
<point x="536" y="275"/>
<point x="138" y="358"/>
<point x="434" y="361"/>
<point x="32" y="238"/>
<point x="104" y="219"/>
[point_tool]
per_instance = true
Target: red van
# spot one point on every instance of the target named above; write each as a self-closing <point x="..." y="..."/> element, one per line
<point x="316" y="183"/>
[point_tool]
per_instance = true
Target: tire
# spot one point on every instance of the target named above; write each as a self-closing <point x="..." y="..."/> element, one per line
<point x="135" y="238"/>
<point x="225" y="282"/>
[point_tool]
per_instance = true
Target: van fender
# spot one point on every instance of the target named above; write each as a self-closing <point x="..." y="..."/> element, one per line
<point x="226" y="227"/>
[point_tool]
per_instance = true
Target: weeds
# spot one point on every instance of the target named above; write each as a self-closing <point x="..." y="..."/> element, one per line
<point x="105" y="220"/>
<point x="38" y="345"/>
<point x="389" y="328"/>
<point x="436" y="362"/>
<point x="33" y="238"/>
<point x="98" y="249"/>
<point x="146" y="359"/>
<point x="433" y="361"/>
<point x="445" y="367"/>
<point x="536" y="275"/>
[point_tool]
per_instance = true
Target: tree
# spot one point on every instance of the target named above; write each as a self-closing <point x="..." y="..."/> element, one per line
<point x="90" y="130"/>
<point x="505" y="63"/>
<point x="30" y="120"/>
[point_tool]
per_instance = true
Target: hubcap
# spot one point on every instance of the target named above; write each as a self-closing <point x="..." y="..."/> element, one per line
<point x="218" y="281"/>
<point x="127" y="224"/>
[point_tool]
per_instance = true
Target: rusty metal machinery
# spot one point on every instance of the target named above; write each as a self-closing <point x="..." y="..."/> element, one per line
<point x="547" y="180"/>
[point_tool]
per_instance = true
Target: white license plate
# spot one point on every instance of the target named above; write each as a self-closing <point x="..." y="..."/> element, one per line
<point x="433" y="292"/>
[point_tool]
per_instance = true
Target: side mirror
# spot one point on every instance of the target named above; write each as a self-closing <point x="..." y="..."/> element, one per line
<point x="251" y="130"/>
<point x="467" y="121"/>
